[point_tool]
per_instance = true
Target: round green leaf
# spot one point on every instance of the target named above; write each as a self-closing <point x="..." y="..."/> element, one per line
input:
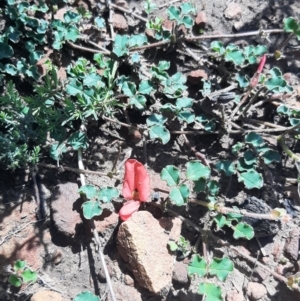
<point x="213" y="187"/>
<point x="86" y="296"/>
<point x="211" y="291"/>
<point x="290" y="24"/>
<point x="29" y="275"/>
<point x="107" y="194"/>
<point x="187" y="21"/>
<point x="171" y="175"/>
<point x="186" y="116"/>
<point x="243" y="230"/>
<point x="249" y="157"/>
<point x="19" y="264"/>
<point x="159" y="132"/>
<point x="197" y="266"/>
<point x="179" y="195"/>
<point x="217" y="46"/>
<point x="156" y="119"/>
<point x="226" y="166"/>
<point x="196" y="170"/>
<point x="139" y="101"/>
<point x="89" y="191"/>
<point x="220" y="267"/>
<point x="236" y="148"/>
<point x="145" y="87"/>
<point x="14" y="280"/>
<point x="91" y="209"/>
<point x="221" y="221"/>
<point x="6" y="51"/>
<point x="251" y="179"/>
<point x="271" y="156"/>
<point x="200" y="185"/>
<point x="235" y="56"/>
<point x="173" y="246"/>
<point x="254" y="139"/>
<point x="174" y="13"/>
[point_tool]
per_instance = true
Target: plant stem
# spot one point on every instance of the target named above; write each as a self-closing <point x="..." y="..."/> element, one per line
<point x="124" y="10"/>
<point x="85" y="48"/>
<point x="285" y="42"/>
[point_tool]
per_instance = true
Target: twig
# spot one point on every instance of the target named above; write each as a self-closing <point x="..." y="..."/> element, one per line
<point x="265" y="123"/>
<point x="168" y="4"/>
<point x="77" y="170"/>
<point x="124" y="10"/>
<point x="85" y="48"/>
<point x="100" y="47"/>
<point x="95" y="233"/>
<point x="50" y="286"/>
<point x="285" y="42"/>
<point x="241" y="103"/>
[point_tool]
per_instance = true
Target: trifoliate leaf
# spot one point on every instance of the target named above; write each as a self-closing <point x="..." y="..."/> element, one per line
<point x="19" y="264"/>
<point x="137" y="40"/>
<point x="251" y="179"/>
<point x="197" y="266"/>
<point x="14" y="280"/>
<point x="187" y="21"/>
<point x="89" y="191"/>
<point x="187" y="8"/>
<point x="179" y="195"/>
<point x="184" y="102"/>
<point x="196" y="170"/>
<point x="29" y="276"/>
<point x="235" y="56"/>
<point x="120" y="45"/>
<point x="91" y="209"/>
<point x="290" y="25"/>
<point x="211" y="292"/>
<point x="174" y="13"/>
<point x="129" y="89"/>
<point x="242" y="166"/>
<point x="220" y="267"/>
<point x="56" y="151"/>
<point x="243" y="80"/>
<point x="107" y="194"/>
<point x="243" y="230"/>
<point x="171" y="175"/>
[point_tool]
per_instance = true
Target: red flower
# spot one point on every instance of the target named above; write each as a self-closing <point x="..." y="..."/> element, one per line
<point x="136" y="187"/>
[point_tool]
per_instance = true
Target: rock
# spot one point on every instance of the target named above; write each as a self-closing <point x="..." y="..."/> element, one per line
<point x="259" y="274"/>
<point x="125" y="292"/>
<point x="238" y="25"/>
<point x="65" y="217"/>
<point x="277" y="250"/>
<point x="46" y="295"/>
<point x="194" y="77"/>
<point x="233" y="11"/>
<point x="180" y="275"/>
<point x="201" y="19"/>
<point x="234" y="295"/>
<point x="128" y="280"/>
<point x="168" y="25"/>
<point x="119" y="22"/>
<point x="107" y="220"/>
<point x="143" y="242"/>
<point x="256" y="291"/>
<point x="292" y="244"/>
<point x="173" y="226"/>
<point x="110" y="269"/>
<point x="60" y="14"/>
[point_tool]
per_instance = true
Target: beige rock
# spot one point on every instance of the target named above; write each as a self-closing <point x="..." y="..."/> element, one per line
<point x="46" y="295"/>
<point x="201" y="18"/>
<point x="143" y="244"/>
<point x="233" y="11"/>
<point x="119" y="22"/>
<point x="256" y="290"/>
<point x="234" y="295"/>
<point x="173" y="226"/>
<point x="125" y="292"/>
<point x="180" y="273"/>
<point x="292" y="244"/>
<point x="195" y="76"/>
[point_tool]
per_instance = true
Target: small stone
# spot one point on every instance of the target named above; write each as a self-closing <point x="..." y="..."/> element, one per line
<point x="276" y="252"/>
<point x="292" y="244"/>
<point x="124" y="292"/>
<point x="173" y="226"/>
<point x="119" y="22"/>
<point x="128" y="280"/>
<point x="101" y="273"/>
<point x="282" y="269"/>
<point x="60" y="14"/>
<point x="168" y="25"/>
<point x="234" y="295"/>
<point x="194" y="77"/>
<point x="233" y="11"/>
<point x="238" y="25"/>
<point x="260" y="274"/>
<point x="180" y="275"/>
<point x="256" y="291"/>
<point x="106" y="222"/>
<point x="46" y="295"/>
<point x="57" y="258"/>
<point x="201" y="19"/>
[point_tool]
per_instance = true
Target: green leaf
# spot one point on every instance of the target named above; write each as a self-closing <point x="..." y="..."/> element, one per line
<point x="187" y="8"/>
<point x="173" y="246"/>
<point x="221" y="221"/>
<point x="93" y="80"/>
<point x="89" y="191"/>
<point x="174" y="13"/>
<point x="72" y="33"/>
<point x="6" y="51"/>
<point x="259" y="50"/>
<point x="100" y="22"/>
<point x="243" y="80"/>
<point x="91" y="209"/>
<point x="10" y="69"/>
<point x="217" y="46"/>
<point x="135" y="57"/>
<point x="14" y="280"/>
<point x="187" y="21"/>
<point x="211" y="292"/>
<point x="179" y="195"/>
<point x="107" y="194"/>
<point x="163" y="65"/>
<point x="184" y="102"/>
<point x="29" y="275"/>
<point x="213" y="187"/>
<point x="145" y="87"/>
<point x="56" y="151"/>
<point x="235" y="56"/>
<point x="129" y="89"/>
<point x="254" y="139"/>
<point x="159" y="132"/>
<point x="197" y="266"/>
<point x="271" y="156"/>
<point x="250" y="157"/>
<point x="139" y="101"/>
<point x="86" y="296"/>
<point x="234" y="216"/>
<point x="284" y="110"/>
<point x="196" y="170"/>
<point x="120" y="45"/>
<point x="186" y="116"/>
<point x="156" y="119"/>
<point x="242" y="166"/>
<point x="19" y="264"/>
<point x="251" y="179"/>
<point x="243" y="230"/>
<point x="74" y="87"/>
<point x="236" y="148"/>
<point x="78" y="140"/>
<point x="220" y="267"/>
<point x="171" y="175"/>
<point x="226" y="166"/>
<point x="210" y="126"/>
<point x="70" y="16"/>
<point x="200" y="185"/>
<point x="290" y="25"/>
<point x="137" y="40"/>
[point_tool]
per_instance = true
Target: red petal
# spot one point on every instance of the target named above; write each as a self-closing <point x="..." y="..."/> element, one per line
<point x="262" y="63"/>
<point x="129" y="179"/>
<point x="142" y="182"/>
<point x="128" y="209"/>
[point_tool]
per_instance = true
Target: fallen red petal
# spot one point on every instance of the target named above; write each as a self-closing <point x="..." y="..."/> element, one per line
<point x="128" y="209"/>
